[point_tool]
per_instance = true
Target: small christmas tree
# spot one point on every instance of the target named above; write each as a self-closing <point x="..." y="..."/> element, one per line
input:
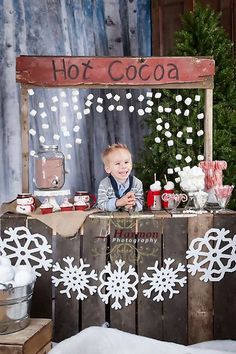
<point x="201" y="35"/>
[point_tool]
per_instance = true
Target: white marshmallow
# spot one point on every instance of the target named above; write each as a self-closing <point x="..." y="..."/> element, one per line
<point x="159" y="120"/>
<point x="178" y="111"/>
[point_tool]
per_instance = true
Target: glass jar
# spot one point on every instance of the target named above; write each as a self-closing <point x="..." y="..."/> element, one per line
<point x="49" y="168"/>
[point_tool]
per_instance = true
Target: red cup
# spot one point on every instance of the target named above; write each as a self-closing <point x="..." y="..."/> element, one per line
<point x="47" y="210"/>
<point x="169" y="203"/>
<point x="83" y="200"/>
<point x="67" y="208"/>
<point x="81" y="207"/>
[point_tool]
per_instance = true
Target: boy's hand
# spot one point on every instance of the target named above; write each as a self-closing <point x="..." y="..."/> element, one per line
<point x="128" y="200"/>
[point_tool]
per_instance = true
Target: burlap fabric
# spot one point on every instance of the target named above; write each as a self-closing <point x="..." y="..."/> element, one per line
<point x="66" y="223"/>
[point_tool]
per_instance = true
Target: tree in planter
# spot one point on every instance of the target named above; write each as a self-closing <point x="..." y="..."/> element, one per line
<point x="201" y="35"/>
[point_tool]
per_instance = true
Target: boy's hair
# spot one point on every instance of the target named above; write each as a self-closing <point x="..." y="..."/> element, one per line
<point x="111" y="148"/>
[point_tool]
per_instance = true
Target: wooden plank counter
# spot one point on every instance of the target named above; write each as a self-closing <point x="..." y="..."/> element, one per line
<point x="201" y="311"/>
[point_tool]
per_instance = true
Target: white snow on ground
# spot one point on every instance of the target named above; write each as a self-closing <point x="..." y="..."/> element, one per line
<point x="99" y="340"/>
<point x="226" y="345"/>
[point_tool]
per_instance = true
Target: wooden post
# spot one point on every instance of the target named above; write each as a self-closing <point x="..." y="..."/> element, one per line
<point x="200" y="294"/>
<point x="208" y="125"/>
<point x="25" y="139"/>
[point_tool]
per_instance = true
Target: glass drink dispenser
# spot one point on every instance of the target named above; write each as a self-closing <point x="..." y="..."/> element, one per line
<point x="49" y="168"/>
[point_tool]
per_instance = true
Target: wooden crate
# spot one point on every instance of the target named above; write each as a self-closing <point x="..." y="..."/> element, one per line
<point x="201" y="311"/>
<point x="34" y="339"/>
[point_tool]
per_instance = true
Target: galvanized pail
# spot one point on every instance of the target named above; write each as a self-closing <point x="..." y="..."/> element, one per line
<point x="15" y="308"/>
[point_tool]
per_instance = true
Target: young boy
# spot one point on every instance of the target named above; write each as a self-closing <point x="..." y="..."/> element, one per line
<point x="119" y="189"/>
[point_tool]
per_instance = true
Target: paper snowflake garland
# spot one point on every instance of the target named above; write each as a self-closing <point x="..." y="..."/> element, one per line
<point x="26" y="248"/>
<point x="163" y="280"/>
<point x="214" y="254"/>
<point x="75" y="278"/>
<point x="118" y="285"/>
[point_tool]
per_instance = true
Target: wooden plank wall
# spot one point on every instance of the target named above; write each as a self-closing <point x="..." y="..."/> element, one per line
<point x="201" y="311"/>
<point x="225" y="291"/>
<point x="166" y="20"/>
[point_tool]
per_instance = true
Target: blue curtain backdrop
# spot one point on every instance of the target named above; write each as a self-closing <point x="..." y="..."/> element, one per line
<point x="77" y="28"/>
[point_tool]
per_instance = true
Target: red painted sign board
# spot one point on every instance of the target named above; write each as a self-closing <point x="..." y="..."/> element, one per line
<point x="112" y="71"/>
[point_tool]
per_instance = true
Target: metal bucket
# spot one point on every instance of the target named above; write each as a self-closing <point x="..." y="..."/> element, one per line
<point x="15" y="308"/>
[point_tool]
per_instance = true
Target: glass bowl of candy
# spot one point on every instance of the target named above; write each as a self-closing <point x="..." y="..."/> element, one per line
<point x="223" y="195"/>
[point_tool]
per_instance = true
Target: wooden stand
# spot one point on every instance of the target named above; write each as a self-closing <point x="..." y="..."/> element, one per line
<point x="115" y="72"/>
<point x="34" y="339"/>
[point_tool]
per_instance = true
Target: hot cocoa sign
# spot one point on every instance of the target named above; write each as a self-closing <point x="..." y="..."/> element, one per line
<point x="151" y="71"/>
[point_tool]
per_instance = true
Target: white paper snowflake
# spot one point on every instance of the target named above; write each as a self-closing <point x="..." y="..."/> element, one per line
<point x="75" y="278"/>
<point x="213" y="255"/>
<point x="163" y="280"/>
<point x="27" y="248"/>
<point x="118" y="285"/>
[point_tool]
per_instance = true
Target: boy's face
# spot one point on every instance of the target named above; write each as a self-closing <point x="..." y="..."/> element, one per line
<point x="119" y="164"/>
